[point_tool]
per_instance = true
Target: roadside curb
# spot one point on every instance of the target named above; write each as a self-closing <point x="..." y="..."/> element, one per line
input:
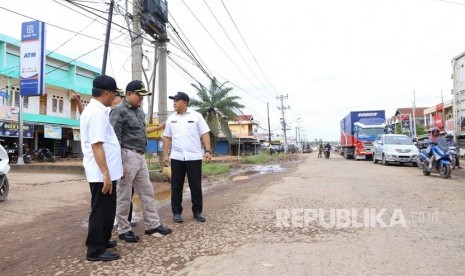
<point x="43" y="168"/>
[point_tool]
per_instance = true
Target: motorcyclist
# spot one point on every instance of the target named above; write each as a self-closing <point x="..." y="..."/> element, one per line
<point x="451" y="143"/>
<point x="433" y="140"/>
<point x="327" y="147"/>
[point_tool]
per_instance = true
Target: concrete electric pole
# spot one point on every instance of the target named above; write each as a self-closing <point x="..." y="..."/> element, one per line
<point x="283" y="119"/>
<point x="136" y="43"/>
<point x="162" y="83"/>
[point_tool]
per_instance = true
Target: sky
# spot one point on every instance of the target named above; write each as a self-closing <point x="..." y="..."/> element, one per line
<point x="328" y="57"/>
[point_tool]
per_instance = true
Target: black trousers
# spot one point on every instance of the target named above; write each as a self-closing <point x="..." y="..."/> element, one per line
<point x="193" y="169"/>
<point x="101" y="219"/>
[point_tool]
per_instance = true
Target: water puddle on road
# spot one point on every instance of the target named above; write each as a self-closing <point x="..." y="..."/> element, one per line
<point x="256" y="170"/>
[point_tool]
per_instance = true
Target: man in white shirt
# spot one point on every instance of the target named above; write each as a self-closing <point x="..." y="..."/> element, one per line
<point x="103" y="167"/>
<point x="183" y="130"/>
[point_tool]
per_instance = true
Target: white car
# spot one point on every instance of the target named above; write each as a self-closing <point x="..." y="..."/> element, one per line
<point x="394" y="148"/>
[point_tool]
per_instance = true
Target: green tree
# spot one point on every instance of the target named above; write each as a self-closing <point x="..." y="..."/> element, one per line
<point x="420" y="130"/>
<point x="216" y="104"/>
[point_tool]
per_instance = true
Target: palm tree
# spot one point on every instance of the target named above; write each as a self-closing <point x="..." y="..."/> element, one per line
<point x="216" y="106"/>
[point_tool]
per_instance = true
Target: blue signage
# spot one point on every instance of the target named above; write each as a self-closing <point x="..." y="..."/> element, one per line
<point x="10" y="129"/>
<point x="4" y="94"/>
<point x="32" y="56"/>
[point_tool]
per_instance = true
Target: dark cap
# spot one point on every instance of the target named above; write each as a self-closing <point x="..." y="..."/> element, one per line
<point x="120" y="93"/>
<point x="180" y="96"/>
<point x="105" y="82"/>
<point x="137" y="86"/>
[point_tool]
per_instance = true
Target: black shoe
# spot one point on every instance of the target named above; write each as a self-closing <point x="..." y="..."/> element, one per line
<point x="160" y="229"/>
<point x="112" y="244"/>
<point x="104" y="257"/>
<point x="177" y="218"/>
<point x="200" y="217"/>
<point x="129" y="236"/>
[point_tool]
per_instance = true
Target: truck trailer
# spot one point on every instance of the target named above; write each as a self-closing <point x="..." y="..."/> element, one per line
<point x="458" y="92"/>
<point x="358" y="131"/>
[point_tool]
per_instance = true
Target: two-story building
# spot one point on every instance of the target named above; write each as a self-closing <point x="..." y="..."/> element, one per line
<point x="440" y="116"/>
<point x="403" y="116"/>
<point x="243" y="130"/>
<point x="50" y="120"/>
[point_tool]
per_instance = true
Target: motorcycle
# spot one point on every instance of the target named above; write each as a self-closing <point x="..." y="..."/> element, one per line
<point x="13" y="153"/>
<point x="454" y="156"/>
<point x="4" y="169"/>
<point x="45" y="155"/>
<point x="442" y="162"/>
<point x="326" y="153"/>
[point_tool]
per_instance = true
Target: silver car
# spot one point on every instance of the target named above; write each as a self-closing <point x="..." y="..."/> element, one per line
<point x="394" y="148"/>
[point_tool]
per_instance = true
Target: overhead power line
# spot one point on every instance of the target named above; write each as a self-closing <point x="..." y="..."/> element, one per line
<point x="234" y="45"/>
<point x="219" y="46"/>
<point x="248" y="48"/>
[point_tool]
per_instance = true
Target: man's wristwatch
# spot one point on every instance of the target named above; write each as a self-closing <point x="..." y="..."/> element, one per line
<point x="208" y="151"/>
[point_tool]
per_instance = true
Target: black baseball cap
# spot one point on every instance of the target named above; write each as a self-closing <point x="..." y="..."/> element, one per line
<point x="138" y="86"/>
<point x="180" y="96"/>
<point x="105" y="82"/>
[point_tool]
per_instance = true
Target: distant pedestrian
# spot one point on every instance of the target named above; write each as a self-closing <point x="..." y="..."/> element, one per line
<point x="320" y="150"/>
<point x="182" y="134"/>
<point x="102" y="164"/>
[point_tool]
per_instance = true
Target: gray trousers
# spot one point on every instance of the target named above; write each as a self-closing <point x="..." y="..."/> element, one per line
<point x="137" y="176"/>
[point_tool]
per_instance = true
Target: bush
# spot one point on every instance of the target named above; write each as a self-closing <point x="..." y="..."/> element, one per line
<point x="211" y="169"/>
<point x="261" y="158"/>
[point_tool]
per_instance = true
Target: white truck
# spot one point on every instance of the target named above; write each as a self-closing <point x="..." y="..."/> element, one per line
<point x="458" y="92"/>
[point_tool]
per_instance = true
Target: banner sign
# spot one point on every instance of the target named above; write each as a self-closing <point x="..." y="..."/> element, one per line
<point x="10" y="129"/>
<point x="450" y="125"/>
<point x="32" y="57"/>
<point x="438" y="121"/>
<point x="52" y="132"/>
<point x="405" y="123"/>
<point x="4" y="94"/>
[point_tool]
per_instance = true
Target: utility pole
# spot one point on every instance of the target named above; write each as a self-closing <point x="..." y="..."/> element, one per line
<point x="162" y="83"/>
<point x="283" y="119"/>
<point x="443" y="117"/>
<point x="414" y="134"/>
<point x="136" y="43"/>
<point x="269" y="128"/>
<point x="107" y="37"/>
<point x="154" y="75"/>
<point x="162" y="89"/>
<point x="297" y="137"/>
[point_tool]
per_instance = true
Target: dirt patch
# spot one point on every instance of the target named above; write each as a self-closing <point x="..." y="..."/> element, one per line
<point x="44" y="221"/>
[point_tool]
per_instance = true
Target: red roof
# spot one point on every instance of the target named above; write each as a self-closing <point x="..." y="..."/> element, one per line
<point x="419" y="111"/>
<point x="244" y="118"/>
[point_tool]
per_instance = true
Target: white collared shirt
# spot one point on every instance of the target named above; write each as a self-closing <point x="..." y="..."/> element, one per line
<point x="95" y="127"/>
<point x="185" y="132"/>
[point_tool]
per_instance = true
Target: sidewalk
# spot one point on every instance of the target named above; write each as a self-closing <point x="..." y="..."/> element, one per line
<point x="62" y="166"/>
<point x="74" y="165"/>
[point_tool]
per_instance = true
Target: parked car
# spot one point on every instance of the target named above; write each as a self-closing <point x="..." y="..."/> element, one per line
<point x="276" y="148"/>
<point x="291" y="148"/>
<point x="394" y="148"/>
<point x="307" y="149"/>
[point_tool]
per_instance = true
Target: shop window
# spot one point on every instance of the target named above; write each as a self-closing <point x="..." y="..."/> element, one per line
<point x="16" y="97"/>
<point x="57" y="104"/>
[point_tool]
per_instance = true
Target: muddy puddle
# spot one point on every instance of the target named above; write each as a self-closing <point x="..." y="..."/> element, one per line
<point x="163" y="192"/>
<point x="256" y="170"/>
